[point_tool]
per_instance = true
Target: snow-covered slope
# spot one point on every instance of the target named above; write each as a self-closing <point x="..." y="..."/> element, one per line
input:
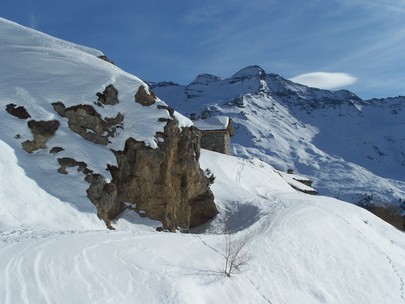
<point x="37" y="70"/>
<point x="54" y="249"/>
<point x="353" y="149"/>
<point x="304" y="249"/>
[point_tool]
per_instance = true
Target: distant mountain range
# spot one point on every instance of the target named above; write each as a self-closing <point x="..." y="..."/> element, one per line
<point x="353" y="149"/>
<point x="85" y="146"/>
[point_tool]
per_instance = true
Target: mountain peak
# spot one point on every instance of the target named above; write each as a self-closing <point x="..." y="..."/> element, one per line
<point x="250" y="71"/>
<point x="205" y="79"/>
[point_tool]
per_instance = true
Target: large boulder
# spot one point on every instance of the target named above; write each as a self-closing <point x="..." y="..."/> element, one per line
<point x="166" y="183"/>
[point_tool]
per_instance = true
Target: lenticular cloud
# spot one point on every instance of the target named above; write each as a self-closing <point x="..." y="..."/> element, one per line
<point x="325" y="80"/>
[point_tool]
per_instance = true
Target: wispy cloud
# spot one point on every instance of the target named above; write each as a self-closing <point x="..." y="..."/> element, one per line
<point x="325" y="80"/>
<point x="204" y="14"/>
<point x="32" y="15"/>
<point x="396" y="6"/>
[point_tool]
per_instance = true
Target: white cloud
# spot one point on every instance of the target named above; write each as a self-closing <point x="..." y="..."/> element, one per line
<point x="33" y="18"/>
<point x="325" y="80"/>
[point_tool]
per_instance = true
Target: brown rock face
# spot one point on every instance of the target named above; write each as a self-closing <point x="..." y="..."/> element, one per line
<point x="165" y="183"/>
<point x="19" y="112"/>
<point x="42" y="131"/>
<point x="144" y="98"/>
<point x="87" y="122"/>
<point x="109" y="96"/>
<point x="103" y="195"/>
<point x="66" y="162"/>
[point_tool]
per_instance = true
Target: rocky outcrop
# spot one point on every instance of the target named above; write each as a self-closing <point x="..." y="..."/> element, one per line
<point x="42" y="131"/>
<point x="56" y="150"/>
<point x="88" y="123"/>
<point x="109" y="96"/>
<point x="144" y="98"/>
<point x="66" y="162"/>
<point x="165" y="184"/>
<point x="103" y="195"/>
<point x="19" y="112"/>
<point x="105" y="58"/>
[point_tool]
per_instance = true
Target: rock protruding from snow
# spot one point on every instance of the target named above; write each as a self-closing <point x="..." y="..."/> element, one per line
<point x="145" y="98"/>
<point x="19" y="112"/>
<point x="109" y="96"/>
<point x="42" y="131"/>
<point x="156" y="149"/>
<point x="166" y="183"/>
<point x="88" y="123"/>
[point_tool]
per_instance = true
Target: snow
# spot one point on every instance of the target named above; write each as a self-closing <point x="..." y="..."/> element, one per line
<point x="212" y="123"/>
<point x="350" y="148"/>
<point x="305" y="249"/>
<point x="62" y="71"/>
<point x="184" y="122"/>
<point x="54" y="249"/>
<point x="295" y="181"/>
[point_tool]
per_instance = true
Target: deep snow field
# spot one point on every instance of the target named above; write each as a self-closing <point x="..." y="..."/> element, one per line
<point x="54" y="249"/>
<point x="304" y="249"/>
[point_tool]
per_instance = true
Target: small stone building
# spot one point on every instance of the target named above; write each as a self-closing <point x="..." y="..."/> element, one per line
<point x="216" y="133"/>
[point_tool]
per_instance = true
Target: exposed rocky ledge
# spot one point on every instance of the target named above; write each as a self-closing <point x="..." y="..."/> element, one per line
<point x="144" y="98"/>
<point x="87" y="122"/>
<point x="42" y="131"/>
<point x="109" y="96"/>
<point x="165" y="184"/>
<point x="19" y="112"/>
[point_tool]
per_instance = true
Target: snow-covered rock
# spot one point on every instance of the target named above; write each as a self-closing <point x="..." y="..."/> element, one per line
<point x="99" y="123"/>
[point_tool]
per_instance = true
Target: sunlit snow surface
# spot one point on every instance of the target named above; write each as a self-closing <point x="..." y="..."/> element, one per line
<point x="54" y="249"/>
<point x="305" y="249"/>
<point x="349" y="147"/>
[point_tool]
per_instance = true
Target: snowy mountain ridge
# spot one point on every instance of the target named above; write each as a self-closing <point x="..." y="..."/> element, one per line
<point x="353" y="149"/>
<point x="54" y="248"/>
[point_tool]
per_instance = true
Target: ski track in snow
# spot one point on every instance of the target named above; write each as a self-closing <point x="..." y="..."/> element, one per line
<point x="240" y="170"/>
<point x="377" y="248"/>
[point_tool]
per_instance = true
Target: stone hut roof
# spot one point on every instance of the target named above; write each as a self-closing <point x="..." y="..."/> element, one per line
<point x="217" y="123"/>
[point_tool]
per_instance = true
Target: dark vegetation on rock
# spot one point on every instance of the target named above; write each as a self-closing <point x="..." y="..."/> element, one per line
<point x="19" y="112"/>
<point x="41" y="131"/>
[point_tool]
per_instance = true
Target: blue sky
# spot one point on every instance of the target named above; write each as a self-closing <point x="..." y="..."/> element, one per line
<point x="354" y="44"/>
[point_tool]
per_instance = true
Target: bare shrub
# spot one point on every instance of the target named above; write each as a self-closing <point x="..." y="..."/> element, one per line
<point x="235" y="253"/>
